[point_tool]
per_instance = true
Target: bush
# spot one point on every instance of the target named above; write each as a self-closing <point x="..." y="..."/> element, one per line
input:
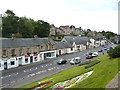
<point x="114" y="52"/>
<point x="92" y="64"/>
<point x="86" y="62"/>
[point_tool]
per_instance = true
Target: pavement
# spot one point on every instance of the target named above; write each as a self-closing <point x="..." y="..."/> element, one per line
<point x="114" y="83"/>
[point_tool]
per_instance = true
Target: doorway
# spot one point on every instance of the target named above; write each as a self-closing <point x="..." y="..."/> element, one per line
<point x="5" y="65"/>
<point x="59" y="52"/>
<point x="20" y="61"/>
<point x="31" y="59"/>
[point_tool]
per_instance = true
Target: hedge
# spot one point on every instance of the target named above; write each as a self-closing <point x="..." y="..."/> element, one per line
<point x="92" y="64"/>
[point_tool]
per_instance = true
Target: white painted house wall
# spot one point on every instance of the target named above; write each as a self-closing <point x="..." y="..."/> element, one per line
<point x="1" y="65"/>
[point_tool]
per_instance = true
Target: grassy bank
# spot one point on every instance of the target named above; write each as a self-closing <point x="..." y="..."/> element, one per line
<point x="103" y="73"/>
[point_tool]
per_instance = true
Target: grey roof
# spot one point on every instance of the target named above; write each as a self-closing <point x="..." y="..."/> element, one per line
<point x="78" y="39"/>
<point x="22" y="42"/>
<point x="62" y="45"/>
<point x="99" y="38"/>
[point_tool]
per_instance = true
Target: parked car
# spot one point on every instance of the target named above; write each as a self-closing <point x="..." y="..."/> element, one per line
<point x="75" y="60"/>
<point x="105" y="48"/>
<point x="95" y="54"/>
<point x="89" y="57"/>
<point x="100" y="50"/>
<point x="89" y="53"/>
<point x="61" y="61"/>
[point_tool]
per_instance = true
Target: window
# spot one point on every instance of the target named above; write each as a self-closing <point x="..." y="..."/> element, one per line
<point x="12" y="63"/>
<point x="26" y="60"/>
<point x="4" y="53"/>
<point x="28" y="50"/>
<point x="13" y="52"/>
<point x="47" y="46"/>
<point x="71" y="49"/>
<point x="48" y="54"/>
<point x="42" y="47"/>
<point x="35" y="58"/>
<point x="35" y="51"/>
<point x="20" y="52"/>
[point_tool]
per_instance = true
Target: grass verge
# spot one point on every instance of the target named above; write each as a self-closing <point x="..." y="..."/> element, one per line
<point x="104" y="72"/>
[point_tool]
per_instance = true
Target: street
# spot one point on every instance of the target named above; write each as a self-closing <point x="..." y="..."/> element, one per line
<point x="23" y="75"/>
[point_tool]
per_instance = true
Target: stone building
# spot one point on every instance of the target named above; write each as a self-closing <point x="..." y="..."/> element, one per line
<point x="21" y="51"/>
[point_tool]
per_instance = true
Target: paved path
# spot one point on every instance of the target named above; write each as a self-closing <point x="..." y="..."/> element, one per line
<point x="114" y="82"/>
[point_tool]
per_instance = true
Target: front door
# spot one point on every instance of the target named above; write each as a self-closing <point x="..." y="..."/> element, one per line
<point x="31" y="59"/>
<point x="5" y="65"/>
<point x="20" y="61"/>
<point x="59" y="52"/>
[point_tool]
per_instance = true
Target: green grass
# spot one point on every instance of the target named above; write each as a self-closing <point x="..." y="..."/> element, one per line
<point x="104" y="72"/>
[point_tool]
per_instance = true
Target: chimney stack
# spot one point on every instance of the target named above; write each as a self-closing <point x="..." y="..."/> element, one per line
<point x="35" y="37"/>
<point x="13" y="36"/>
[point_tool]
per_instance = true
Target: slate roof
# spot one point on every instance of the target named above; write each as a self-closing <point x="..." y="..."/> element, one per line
<point x="78" y="39"/>
<point x="62" y="45"/>
<point x="22" y="42"/>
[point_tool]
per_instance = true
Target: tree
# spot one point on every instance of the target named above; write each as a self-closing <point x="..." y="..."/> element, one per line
<point x="10" y="23"/>
<point x="88" y="30"/>
<point x="26" y="27"/>
<point x="114" y="52"/>
<point x="42" y="29"/>
<point x="72" y="26"/>
<point x="18" y="35"/>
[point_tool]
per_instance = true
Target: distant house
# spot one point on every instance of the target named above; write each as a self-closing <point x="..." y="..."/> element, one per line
<point x="65" y="30"/>
<point x="100" y="40"/>
<point x="63" y="48"/>
<point x="79" y="43"/>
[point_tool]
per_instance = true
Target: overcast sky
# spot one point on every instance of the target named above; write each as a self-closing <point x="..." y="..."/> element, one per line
<point x="96" y="15"/>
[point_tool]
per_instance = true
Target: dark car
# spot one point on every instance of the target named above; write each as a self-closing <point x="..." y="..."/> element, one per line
<point x="61" y="61"/>
<point x="89" y="57"/>
<point x="100" y="50"/>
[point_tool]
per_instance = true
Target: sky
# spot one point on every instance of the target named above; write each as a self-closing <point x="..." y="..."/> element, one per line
<point x="97" y="15"/>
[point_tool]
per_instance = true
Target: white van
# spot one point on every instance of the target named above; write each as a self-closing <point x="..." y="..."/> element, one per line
<point x="75" y="60"/>
<point x="95" y="54"/>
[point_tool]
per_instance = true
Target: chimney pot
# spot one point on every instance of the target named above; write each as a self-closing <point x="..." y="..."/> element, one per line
<point x="35" y="36"/>
<point x="13" y="36"/>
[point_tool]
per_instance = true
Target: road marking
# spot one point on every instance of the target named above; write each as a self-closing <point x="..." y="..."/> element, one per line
<point x="9" y="75"/>
<point x="46" y="64"/>
<point x="41" y="66"/>
<point x="36" y="67"/>
<point x="12" y="82"/>
<point x="5" y="85"/>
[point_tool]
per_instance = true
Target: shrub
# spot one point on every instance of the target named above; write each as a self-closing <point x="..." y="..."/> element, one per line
<point x="86" y="62"/>
<point x="92" y="64"/>
<point x="114" y="52"/>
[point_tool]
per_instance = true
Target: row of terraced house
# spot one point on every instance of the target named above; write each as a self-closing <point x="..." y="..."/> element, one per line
<point x="21" y="51"/>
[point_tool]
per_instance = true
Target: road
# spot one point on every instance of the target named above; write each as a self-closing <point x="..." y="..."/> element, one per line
<point x="23" y="75"/>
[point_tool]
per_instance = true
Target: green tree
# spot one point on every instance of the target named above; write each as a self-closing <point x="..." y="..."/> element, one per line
<point x="10" y="23"/>
<point x="114" y="52"/>
<point x="18" y="35"/>
<point x="42" y="29"/>
<point x="26" y="27"/>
